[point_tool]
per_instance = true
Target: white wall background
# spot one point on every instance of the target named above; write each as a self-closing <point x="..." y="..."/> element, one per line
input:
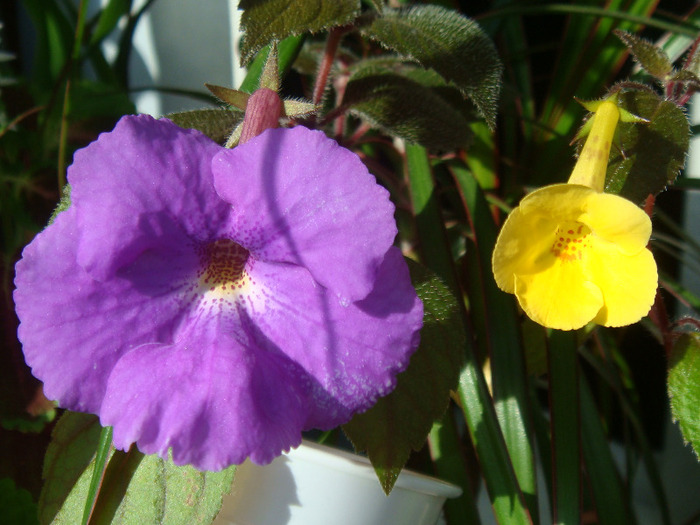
<point x="183" y="44"/>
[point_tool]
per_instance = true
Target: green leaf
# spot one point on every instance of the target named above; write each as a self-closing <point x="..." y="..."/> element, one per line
<point x="651" y="154"/>
<point x="401" y="421"/>
<point x="72" y="447"/>
<point x="684" y="386"/>
<point x="28" y="423"/>
<point x="217" y="124"/>
<point x="16" y="504"/>
<point x="434" y="248"/>
<point x="54" y="39"/>
<point x="377" y="4"/>
<point x="451" y="44"/>
<point x="565" y="425"/>
<point x="496" y="327"/>
<point x="287" y="51"/>
<point x="89" y="100"/>
<point x="606" y="485"/>
<point x="404" y="108"/>
<point x="108" y="19"/>
<point x="452" y="464"/>
<point x="233" y="97"/>
<point x="136" y="488"/>
<point x="688" y="80"/>
<point x="266" y="20"/>
<point x="502" y="485"/>
<point x="146" y="489"/>
<point x="652" y="59"/>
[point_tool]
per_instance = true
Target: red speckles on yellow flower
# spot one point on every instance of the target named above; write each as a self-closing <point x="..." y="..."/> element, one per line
<point x="571" y="241"/>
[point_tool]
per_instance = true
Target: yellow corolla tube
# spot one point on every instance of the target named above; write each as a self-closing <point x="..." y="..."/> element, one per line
<point x="572" y="254"/>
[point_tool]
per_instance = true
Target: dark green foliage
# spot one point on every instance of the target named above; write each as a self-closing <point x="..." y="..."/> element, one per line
<point x="266" y="20"/>
<point x="651" y="58"/>
<point x="651" y="154"/>
<point x="684" y="386"/>
<point x="216" y="124"/>
<point x="400" y="422"/>
<point x="451" y="44"/>
<point x="405" y="108"/>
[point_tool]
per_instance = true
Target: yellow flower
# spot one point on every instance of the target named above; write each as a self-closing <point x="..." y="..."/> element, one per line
<point x="572" y="254"/>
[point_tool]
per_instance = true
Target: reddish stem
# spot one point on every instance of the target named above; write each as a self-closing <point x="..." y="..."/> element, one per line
<point x="649" y="205"/>
<point x="324" y="68"/>
<point x="658" y="313"/>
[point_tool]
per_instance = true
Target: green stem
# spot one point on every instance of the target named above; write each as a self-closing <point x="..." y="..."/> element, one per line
<point x="75" y="55"/>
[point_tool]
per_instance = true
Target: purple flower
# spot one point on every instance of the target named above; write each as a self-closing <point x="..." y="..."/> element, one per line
<point x="217" y="302"/>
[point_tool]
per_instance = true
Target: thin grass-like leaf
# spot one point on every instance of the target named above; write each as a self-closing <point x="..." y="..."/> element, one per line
<point x="566" y="439"/>
<point x="506" y="498"/>
<point x="99" y="466"/>
<point x="451" y="466"/>
<point x="609" y="371"/>
<point x="609" y="493"/>
<point x="476" y="401"/>
<point x="433" y="243"/>
<point x="497" y="331"/>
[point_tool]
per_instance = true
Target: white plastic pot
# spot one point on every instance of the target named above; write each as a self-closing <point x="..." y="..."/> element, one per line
<point x="319" y="485"/>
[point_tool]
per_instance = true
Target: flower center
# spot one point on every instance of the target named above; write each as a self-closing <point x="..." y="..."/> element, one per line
<point x="571" y="241"/>
<point x="223" y="266"/>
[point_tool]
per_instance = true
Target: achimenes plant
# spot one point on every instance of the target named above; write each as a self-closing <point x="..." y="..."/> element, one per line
<point x="210" y="293"/>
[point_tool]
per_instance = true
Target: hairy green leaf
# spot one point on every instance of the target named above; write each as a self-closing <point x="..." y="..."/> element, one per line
<point x="147" y="489"/>
<point x="448" y="42"/>
<point x="266" y="20"/>
<point x="684" y="387"/>
<point x="400" y="422"/>
<point x="405" y="108"/>
<point x="217" y="124"/>
<point x="234" y="97"/>
<point x="73" y="444"/>
<point x="650" y="154"/>
<point x="652" y="59"/>
<point x="136" y="488"/>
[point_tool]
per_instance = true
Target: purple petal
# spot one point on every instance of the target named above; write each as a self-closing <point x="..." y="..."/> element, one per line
<point x="74" y="328"/>
<point x="353" y="351"/>
<point x="141" y="185"/>
<point x="211" y="399"/>
<point x="300" y="198"/>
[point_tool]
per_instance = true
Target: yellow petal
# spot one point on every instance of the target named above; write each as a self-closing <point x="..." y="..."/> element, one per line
<point x="523" y="246"/>
<point x="618" y="221"/>
<point x="628" y="283"/>
<point x="560" y="202"/>
<point x="562" y="296"/>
